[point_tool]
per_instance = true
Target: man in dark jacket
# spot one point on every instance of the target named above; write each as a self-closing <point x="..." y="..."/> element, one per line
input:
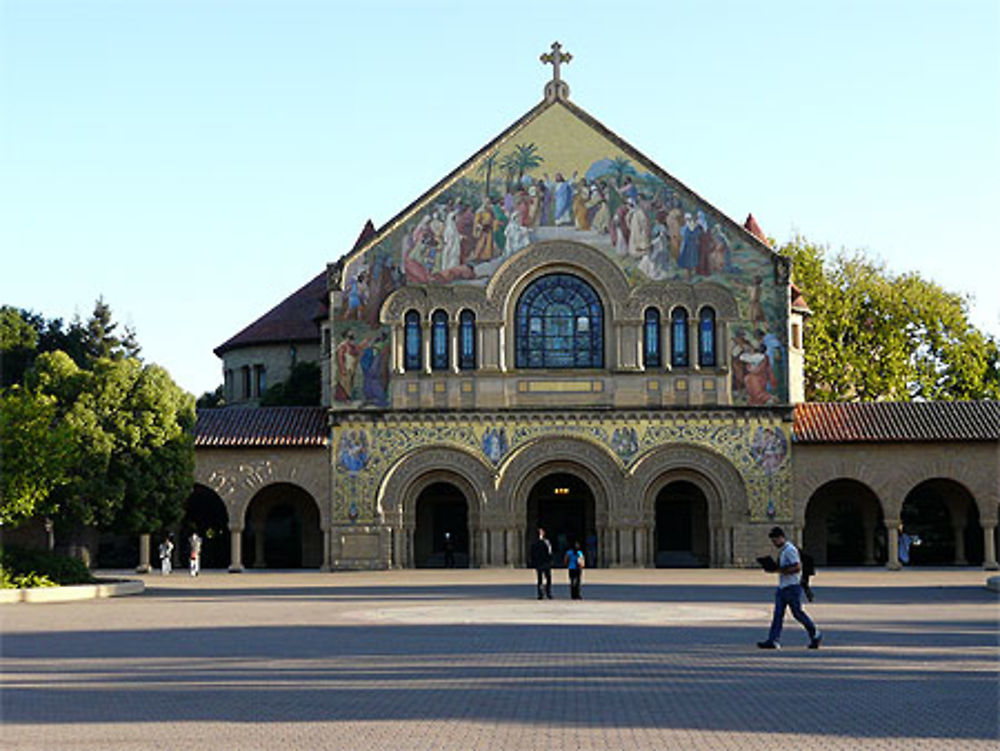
<point x="541" y="560"/>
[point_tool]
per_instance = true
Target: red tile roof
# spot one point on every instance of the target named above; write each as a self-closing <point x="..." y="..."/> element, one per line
<point x="260" y="427"/>
<point x="294" y="319"/>
<point x="890" y="422"/>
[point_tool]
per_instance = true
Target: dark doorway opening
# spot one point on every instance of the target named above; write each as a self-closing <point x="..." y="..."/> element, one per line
<point x="681" y="526"/>
<point x="563" y="505"/>
<point x="442" y="509"/>
<point x="944" y="516"/>
<point x="844" y="525"/>
<point x="283" y="529"/>
<point x="205" y="513"/>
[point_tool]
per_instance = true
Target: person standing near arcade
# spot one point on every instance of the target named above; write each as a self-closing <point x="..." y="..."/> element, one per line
<point x="195" y="544"/>
<point x="541" y="561"/>
<point x="574" y="564"/>
<point x="788" y="594"/>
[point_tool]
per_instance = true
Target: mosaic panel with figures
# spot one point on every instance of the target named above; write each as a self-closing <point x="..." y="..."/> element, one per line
<point x="559" y="176"/>
<point x="366" y="451"/>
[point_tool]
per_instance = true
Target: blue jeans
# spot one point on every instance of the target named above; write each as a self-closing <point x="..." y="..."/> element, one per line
<point x="790" y="597"/>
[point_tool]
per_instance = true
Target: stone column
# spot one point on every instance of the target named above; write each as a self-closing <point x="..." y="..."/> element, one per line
<point x="959" y="529"/>
<point x="143" y="567"/>
<point x="627" y="540"/>
<point x="892" y="527"/>
<point x="640" y="547"/>
<point x="989" y="547"/>
<point x="325" y="566"/>
<point x="398" y="547"/>
<point x="425" y="343"/>
<point x="235" y="550"/>
<point x="453" y="332"/>
<point x="510" y="545"/>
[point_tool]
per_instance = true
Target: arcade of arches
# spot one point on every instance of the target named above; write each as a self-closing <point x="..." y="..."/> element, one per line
<point x="680" y="508"/>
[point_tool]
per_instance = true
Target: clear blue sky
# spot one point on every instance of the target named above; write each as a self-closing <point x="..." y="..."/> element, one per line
<point x="196" y="161"/>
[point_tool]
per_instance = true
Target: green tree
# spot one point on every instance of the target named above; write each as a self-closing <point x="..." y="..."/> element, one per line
<point x="303" y="388"/>
<point x="133" y="431"/>
<point x="101" y="340"/>
<point x="212" y="399"/>
<point x="875" y="335"/>
<point x="18" y="340"/>
<point x="36" y="455"/>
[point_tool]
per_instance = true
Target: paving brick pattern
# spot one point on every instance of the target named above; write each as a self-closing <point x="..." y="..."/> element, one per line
<point x="469" y="660"/>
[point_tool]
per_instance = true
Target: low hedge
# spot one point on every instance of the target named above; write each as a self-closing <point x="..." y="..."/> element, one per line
<point x="21" y="567"/>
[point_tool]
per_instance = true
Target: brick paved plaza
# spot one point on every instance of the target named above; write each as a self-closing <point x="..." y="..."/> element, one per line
<point x="469" y="660"/>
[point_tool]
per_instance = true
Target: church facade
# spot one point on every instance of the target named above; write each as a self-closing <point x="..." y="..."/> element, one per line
<point x="561" y="334"/>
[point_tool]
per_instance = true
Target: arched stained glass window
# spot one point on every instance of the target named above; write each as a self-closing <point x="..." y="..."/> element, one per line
<point x="679" y="338"/>
<point x="467" y="340"/>
<point x="651" y="339"/>
<point x="706" y="338"/>
<point x="439" y="340"/>
<point x="559" y="324"/>
<point x="414" y="342"/>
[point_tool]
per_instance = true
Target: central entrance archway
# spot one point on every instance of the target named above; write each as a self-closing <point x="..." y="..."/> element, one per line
<point x="442" y="527"/>
<point x="681" y="526"/>
<point x="563" y="504"/>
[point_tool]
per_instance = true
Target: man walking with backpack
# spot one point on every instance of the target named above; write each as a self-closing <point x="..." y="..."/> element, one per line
<point x="788" y="594"/>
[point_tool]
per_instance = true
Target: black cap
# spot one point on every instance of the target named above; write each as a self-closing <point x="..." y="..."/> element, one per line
<point x="776" y="532"/>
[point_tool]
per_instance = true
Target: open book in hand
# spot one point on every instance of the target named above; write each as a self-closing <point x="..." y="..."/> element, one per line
<point x="768" y="563"/>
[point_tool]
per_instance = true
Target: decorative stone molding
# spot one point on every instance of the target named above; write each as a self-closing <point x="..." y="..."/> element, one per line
<point x="712" y="473"/>
<point x="535" y="459"/>
<point x="236" y="476"/>
<point x="403" y="483"/>
<point x="551" y="256"/>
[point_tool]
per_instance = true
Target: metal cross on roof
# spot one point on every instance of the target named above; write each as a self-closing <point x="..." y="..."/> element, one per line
<point x="556" y="87"/>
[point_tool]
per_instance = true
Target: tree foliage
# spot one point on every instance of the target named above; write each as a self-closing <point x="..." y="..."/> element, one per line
<point x="304" y="388"/>
<point x="36" y="454"/>
<point x="91" y="434"/>
<point x="875" y="335"/>
<point x="133" y="430"/>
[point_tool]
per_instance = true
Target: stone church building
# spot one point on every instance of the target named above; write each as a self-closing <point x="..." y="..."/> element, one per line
<point x="561" y="334"/>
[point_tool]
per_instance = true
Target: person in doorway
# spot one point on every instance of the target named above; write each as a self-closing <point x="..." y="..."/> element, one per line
<point x="195" y="543"/>
<point x="166" y="553"/>
<point x="541" y="561"/>
<point x="788" y="594"/>
<point x="574" y="564"/>
<point x="906" y="541"/>
<point x="449" y="550"/>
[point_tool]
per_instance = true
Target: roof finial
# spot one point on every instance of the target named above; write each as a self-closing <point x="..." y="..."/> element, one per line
<point x="556" y="88"/>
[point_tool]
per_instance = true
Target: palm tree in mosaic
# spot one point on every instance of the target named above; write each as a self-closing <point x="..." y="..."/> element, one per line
<point x="526" y="157"/>
<point x="620" y="167"/>
<point x="486" y="167"/>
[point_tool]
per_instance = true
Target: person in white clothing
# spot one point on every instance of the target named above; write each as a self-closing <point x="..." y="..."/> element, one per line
<point x="788" y="594"/>
<point x="166" y="553"/>
<point x="195" y="544"/>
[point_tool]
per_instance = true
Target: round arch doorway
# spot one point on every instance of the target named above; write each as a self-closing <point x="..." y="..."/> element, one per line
<point x="563" y="505"/>
<point x="205" y="513"/>
<point x="283" y="529"/>
<point x="441" y="536"/>
<point x="681" y="536"/>
<point x="844" y="525"/>
<point x="944" y="515"/>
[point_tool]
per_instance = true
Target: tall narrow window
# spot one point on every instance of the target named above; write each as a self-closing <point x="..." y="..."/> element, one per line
<point x="679" y="338"/>
<point x="439" y="340"/>
<point x="651" y="339"/>
<point x="260" y="380"/>
<point x="706" y="338"/>
<point x="467" y="340"/>
<point x="559" y="324"/>
<point x="413" y="342"/>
